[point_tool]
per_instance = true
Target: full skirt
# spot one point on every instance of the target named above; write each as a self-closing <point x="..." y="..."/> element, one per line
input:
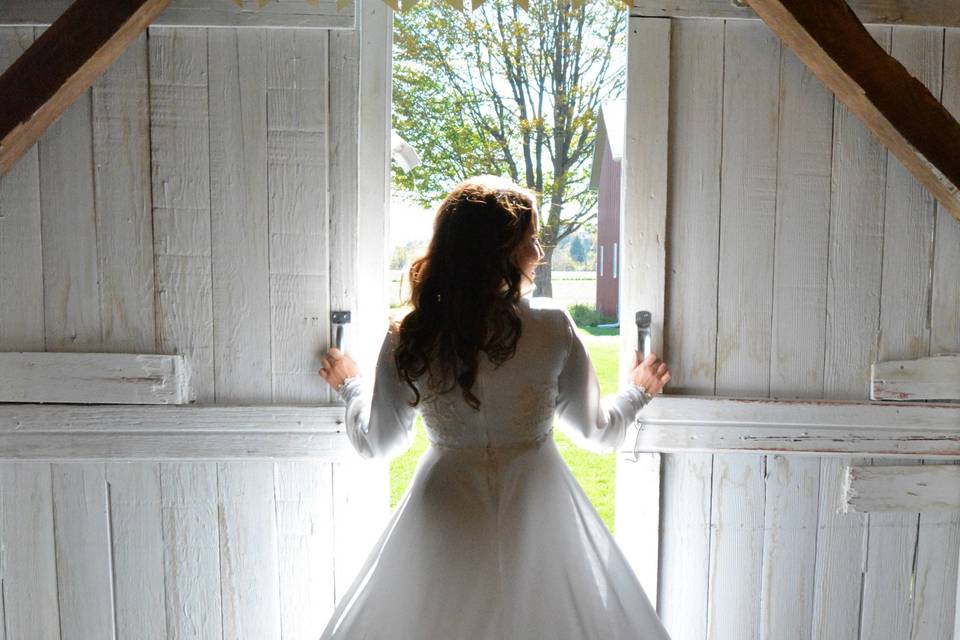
<point x="495" y="544"/>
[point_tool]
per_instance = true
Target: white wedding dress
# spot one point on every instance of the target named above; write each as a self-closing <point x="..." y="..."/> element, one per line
<point x="495" y="539"/>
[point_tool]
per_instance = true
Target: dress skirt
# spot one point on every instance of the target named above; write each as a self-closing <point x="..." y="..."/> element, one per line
<point x="495" y="544"/>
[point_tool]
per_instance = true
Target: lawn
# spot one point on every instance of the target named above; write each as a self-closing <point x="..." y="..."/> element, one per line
<point x="594" y="472"/>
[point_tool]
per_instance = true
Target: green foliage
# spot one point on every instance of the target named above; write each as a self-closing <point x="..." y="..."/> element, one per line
<point x="586" y="315"/>
<point x="577" y="251"/>
<point x="503" y="91"/>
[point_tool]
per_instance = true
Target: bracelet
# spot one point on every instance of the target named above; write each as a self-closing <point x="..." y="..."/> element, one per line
<point x="339" y="388"/>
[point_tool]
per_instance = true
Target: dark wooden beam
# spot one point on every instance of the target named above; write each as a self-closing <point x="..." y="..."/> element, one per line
<point x="895" y="106"/>
<point x="61" y="64"/>
<point x="933" y="13"/>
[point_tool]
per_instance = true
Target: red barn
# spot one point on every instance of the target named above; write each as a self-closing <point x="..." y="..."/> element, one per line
<point x="605" y="178"/>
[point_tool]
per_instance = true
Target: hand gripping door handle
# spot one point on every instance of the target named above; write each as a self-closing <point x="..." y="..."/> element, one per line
<point x="644" y="346"/>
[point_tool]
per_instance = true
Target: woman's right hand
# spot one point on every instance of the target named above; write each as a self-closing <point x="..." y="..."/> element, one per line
<point x="652" y="373"/>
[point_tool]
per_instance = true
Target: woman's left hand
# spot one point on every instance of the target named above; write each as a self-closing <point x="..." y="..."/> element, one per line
<point x="337" y="367"/>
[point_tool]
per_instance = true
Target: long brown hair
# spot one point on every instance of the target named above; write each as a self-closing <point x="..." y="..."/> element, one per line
<point x="465" y="290"/>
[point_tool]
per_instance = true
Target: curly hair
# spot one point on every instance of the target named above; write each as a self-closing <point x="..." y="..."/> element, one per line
<point x="465" y="290"/>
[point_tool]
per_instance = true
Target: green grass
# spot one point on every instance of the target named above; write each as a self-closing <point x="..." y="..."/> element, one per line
<point x="594" y="472"/>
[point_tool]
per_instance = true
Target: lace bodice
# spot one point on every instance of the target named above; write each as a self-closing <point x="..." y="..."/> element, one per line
<point x="549" y="376"/>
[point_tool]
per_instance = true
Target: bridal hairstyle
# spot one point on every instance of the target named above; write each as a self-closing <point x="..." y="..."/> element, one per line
<point x="460" y="305"/>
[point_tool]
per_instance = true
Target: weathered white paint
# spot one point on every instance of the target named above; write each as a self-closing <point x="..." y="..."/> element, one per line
<point x="179" y="135"/>
<point x="933" y="378"/>
<point x="191" y="550"/>
<point x="27" y="556"/>
<point x="81" y="517"/>
<point x="136" y="539"/>
<point x="310" y="14"/>
<point x="853" y="298"/>
<point x="249" y="572"/>
<point x="179" y="432"/>
<point x="120" y="106"/>
<point x="696" y="103"/>
<point x="643" y="233"/>
<point x="21" y="260"/>
<point x="102" y="378"/>
<point x="238" y="212"/>
<point x="929" y="487"/>
<point x="685" y="423"/>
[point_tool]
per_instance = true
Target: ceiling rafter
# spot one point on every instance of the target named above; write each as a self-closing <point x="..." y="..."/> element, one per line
<point x="829" y="38"/>
<point x="61" y="64"/>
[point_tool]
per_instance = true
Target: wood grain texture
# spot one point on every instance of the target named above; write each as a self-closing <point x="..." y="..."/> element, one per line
<point x="305" y="524"/>
<point x="102" y="378"/>
<point x="81" y="516"/>
<point x="690" y="330"/>
<point x="137" y="549"/>
<point x="71" y="282"/>
<point x="745" y="285"/>
<point x="895" y="105"/>
<point x="912" y="488"/>
<point x="312" y="14"/>
<point x="191" y="558"/>
<point x="179" y="134"/>
<point x="62" y="64"/>
<point x="643" y="234"/>
<point x="249" y="571"/>
<point x="120" y="110"/>
<point x="933" y="378"/>
<point x="297" y="78"/>
<point x="30" y="603"/>
<point x="21" y="255"/>
<point x="239" y="228"/>
<point x="917" y="12"/>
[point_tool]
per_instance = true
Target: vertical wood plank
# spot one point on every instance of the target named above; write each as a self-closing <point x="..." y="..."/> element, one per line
<point x="909" y="215"/>
<point x="945" y="297"/>
<point x="248" y="551"/>
<point x="747" y="210"/>
<point x="137" y="547"/>
<point x="853" y="299"/>
<point x="181" y="198"/>
<point x="297" y="165"/>
<point x="21" y="259"/>
<point x="690" y="331"/>
<point x="238" y="182"/>
<point x="304" y="496"/>
<point x="71" y="283"/>
<point x="935" y="572"/>
<point x="189" y="508"/>
<point x="797" y="343"/>
<point x="81" y="515"/>
<point x="373" y="167"/>
<point x="643" y="230"/>
<point x="121" y="153"/>
<point x="27" y="555"/>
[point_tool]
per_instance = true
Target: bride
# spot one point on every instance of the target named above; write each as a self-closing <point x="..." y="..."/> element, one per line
<point x="494" y="539"/>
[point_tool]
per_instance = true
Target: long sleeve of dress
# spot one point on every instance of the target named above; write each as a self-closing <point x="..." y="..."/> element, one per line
<point x="593" y="423"/>
<point x="379" y="422"/>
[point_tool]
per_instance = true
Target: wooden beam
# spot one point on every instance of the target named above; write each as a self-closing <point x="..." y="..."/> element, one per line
<point x="642" y="259"/>
<point x="934" y="13"/>
<point x="102" y="378"/>
<point x="62" y="64"/>
<point x="934" y="378"/>
<point x="175" y="432"/>
<point x="894" y="488"/>
<point x="894" y="105"/>
<point x="295" y="14"/>
<point x="819" y="427"/>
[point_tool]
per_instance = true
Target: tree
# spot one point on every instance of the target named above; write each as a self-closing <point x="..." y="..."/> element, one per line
<point x="509" y="92"/>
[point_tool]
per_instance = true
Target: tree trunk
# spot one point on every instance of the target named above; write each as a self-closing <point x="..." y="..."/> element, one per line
<point x="543" y="277"/>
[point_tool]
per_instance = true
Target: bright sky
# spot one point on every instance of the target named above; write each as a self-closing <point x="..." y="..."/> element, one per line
<point x="408" y="220"/>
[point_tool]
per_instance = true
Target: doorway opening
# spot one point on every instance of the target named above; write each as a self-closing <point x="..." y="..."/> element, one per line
<point x="532" y="95"/>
